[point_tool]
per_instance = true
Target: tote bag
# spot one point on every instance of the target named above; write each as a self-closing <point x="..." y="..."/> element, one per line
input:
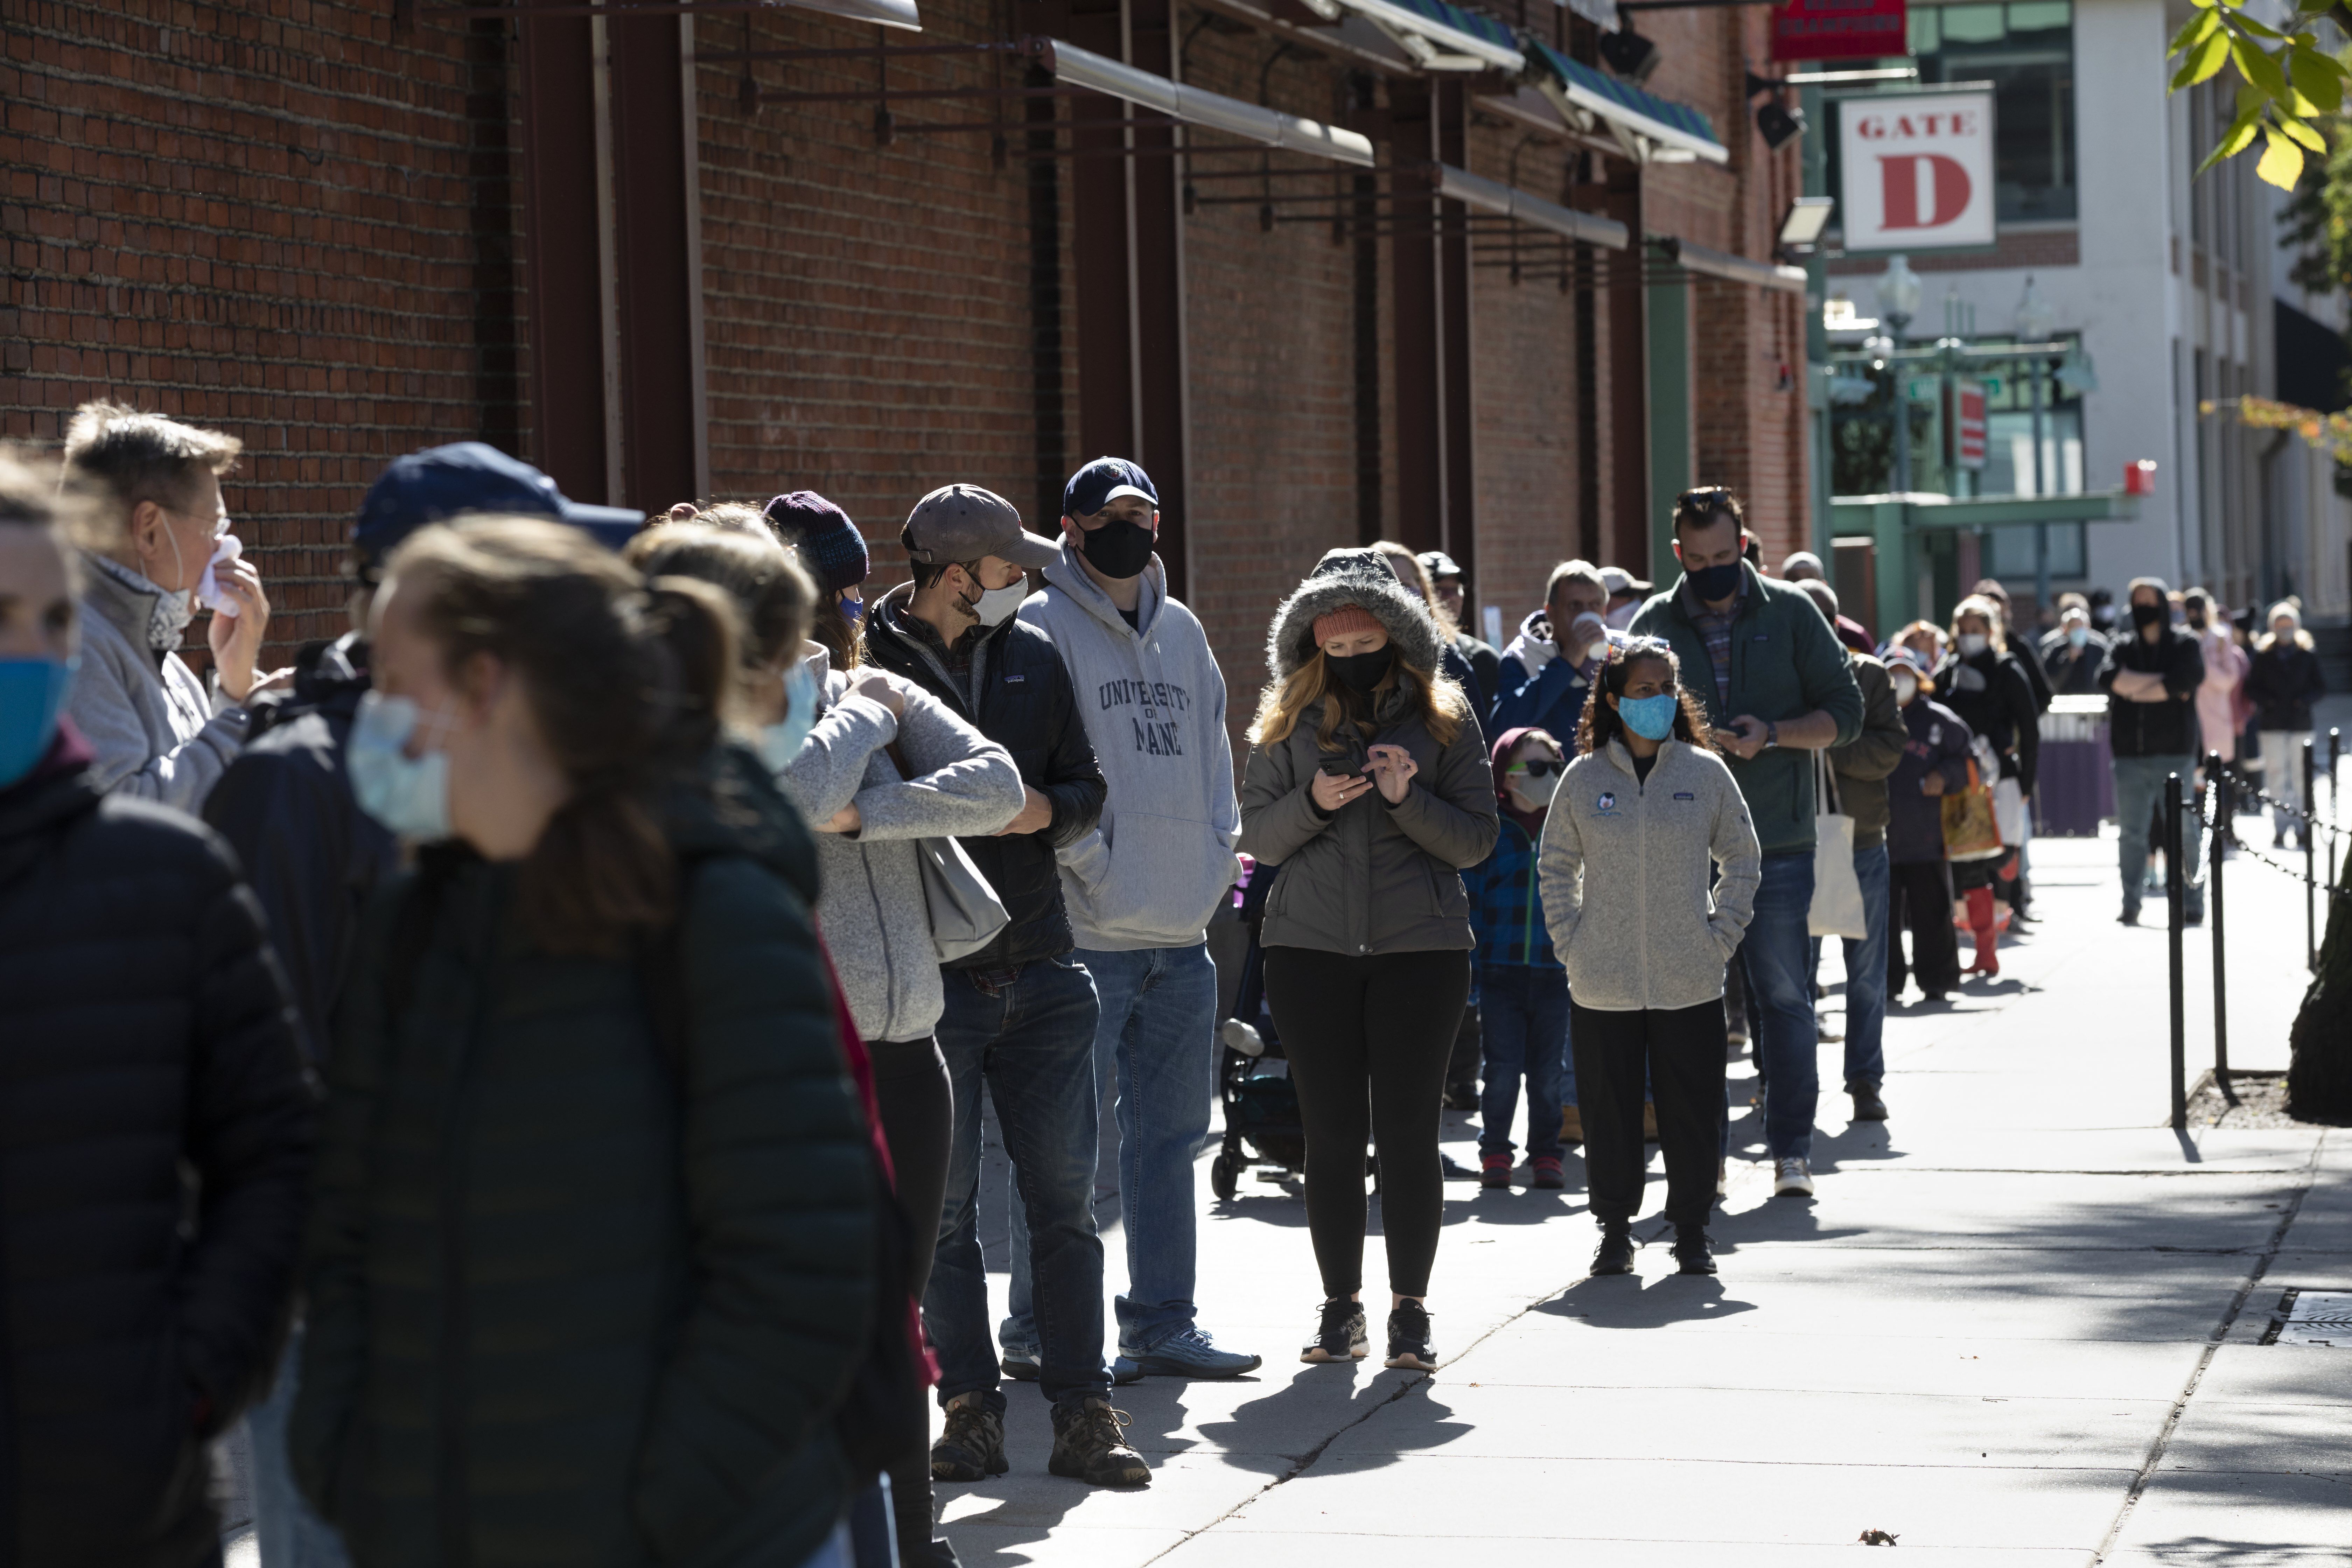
<point x="1837" y="892"/>
<point x="1970" y="832"/>
<point x="966" y="914"/>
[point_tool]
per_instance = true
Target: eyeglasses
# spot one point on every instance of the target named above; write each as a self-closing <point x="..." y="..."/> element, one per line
<point x="1539" y="768"/>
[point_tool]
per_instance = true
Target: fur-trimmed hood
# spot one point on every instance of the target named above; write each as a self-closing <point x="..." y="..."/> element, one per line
<point x="1359" y="577"/>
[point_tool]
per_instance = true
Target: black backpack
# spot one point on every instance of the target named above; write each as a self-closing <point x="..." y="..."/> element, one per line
<point x="883" y="1419"/>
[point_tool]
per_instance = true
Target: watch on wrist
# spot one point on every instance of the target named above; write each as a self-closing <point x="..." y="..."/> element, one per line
<point x="1771" y="734"/>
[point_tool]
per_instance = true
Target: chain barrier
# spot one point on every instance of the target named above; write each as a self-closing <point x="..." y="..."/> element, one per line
<point x="2239" y="787"/>
<point x="2209" y="816"/>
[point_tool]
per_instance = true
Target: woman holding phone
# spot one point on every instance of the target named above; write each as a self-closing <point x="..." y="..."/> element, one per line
<point x="1368" y="783"/>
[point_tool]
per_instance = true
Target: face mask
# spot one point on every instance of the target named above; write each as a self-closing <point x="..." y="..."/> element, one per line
<point x="2197" y="620"/>
<point x="996" y="606"/>
<point x="780" y="742"/>
<point x="1973" y="644"/>
<point x="1622" y="616"/>
<point x="1651" y="718"/>
<point x="1906" y="688"/>
<point x="1531" y="783"/>
<point x="2077" y="636"/>
<point x="852" y="610"/>
<point x="1118" y="548"/>
<point x="410" y="795"/>
<point x="32" y="695"/>
<point x="2147" y="614"/>
<point x="1715" y="583"/>
<point x="1361" y="671"/>
<point x="209" y="588"/>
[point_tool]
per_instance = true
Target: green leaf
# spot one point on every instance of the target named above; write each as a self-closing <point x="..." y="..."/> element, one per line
<point x="2251" y="100"/>
<point x="2204" y="61"/>
<point x="2257" y="67"/>
<point x="2234" y="141"/>
<point x="2281" y="164"/>
<point x="2249" y="25"/>
<point x="2304" y="134"/>
<point x="2318" y="78"/>
<point x="2193" y="31"/>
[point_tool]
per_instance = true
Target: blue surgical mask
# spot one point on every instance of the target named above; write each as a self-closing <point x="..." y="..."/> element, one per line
<point x="32" y="695"/>
<point x="2077" y="636"/>
<point x="852" y="610"/>
<point x="1651" y="718"/>
<point x="780" y="742"/>
<point x="410" y="795"/>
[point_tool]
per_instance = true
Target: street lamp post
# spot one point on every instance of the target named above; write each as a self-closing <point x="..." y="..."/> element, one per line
<point x="2035" y="320"/>
<point x="1898" y="302"/>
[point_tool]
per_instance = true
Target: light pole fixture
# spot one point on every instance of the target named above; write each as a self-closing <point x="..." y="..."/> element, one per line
<point x="2035" y="316"/>
<point x="1898" y="302"/>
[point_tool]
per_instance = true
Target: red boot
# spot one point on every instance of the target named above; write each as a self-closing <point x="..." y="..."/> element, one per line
<point x="1986" y="962"/>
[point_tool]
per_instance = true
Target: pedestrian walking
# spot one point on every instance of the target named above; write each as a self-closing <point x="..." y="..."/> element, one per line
<point x="593" y="1250"/>
<point x="1859" y="770"/>
<point x="1985" y="683"/>
<point x="1547" y="670"/>
<point x="1934" y="764"/>
<point x="1650" y="867"/>
<point x="155" y="730"/>
<point x="148" y="1053"/>
<point x="2284" y="681"/>
<point x="1141" y="889"/>
<point x="1367" y="784"/>
<point x="1522" y="987"/>
<point x="1020" y="1015"/>
<point x="2072" y="654"/>
<point x="1451" y="607"/>
<point x="2151" y="675"/>
<point x="1774" y="685"/>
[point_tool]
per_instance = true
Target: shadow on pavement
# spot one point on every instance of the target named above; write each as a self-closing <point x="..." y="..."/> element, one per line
<point x="1325" y="1404"/>
<point x="1626" y="1302"/>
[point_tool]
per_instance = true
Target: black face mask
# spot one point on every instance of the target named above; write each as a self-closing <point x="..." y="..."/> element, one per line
<point x="2149" y="614"/>
<point x="2197" y="620"/>
<point x="1714" y="583"/>
<point x="1361" y="671"/>
<point x="1118" y="548"/>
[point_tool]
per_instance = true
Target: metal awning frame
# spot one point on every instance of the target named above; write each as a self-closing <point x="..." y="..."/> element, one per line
<point x="1434" y="45"/>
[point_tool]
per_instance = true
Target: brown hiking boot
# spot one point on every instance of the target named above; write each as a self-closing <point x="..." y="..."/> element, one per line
<point x="1090" y="1445"/>
<point x="972" y="1446"/>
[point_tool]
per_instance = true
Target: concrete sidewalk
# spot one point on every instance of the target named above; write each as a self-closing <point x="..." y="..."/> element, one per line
<point x="2020" y="1324"/>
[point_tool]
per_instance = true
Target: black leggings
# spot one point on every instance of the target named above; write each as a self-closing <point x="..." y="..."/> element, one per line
<point x="911" y="1090"/>
<point x="1367" y="1040"/>
<point x="1682" y="1051"/>
<point x="1920" y="897"/>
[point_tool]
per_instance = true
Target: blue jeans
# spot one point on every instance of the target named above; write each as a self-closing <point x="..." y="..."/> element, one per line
<point x="288" y="1531"/>
<point x="1029" y="1036"/>
<point x="2139" y="792"/>
<point x="1777" y="956"/>
<point x="1865" y="975"/>
<point x="1523" y="1025"/>
<point x="1158" y="1040"/>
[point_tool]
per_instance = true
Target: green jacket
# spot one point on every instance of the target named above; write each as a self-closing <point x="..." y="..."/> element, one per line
<point x="1785" y="663"/>
<point x="554" y="1316"/>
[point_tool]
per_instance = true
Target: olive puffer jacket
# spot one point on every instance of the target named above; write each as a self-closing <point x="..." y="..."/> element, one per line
<point x="1371" y="877"/>
<point x="555" y="1314"/>
<point x="156" y="1125"/>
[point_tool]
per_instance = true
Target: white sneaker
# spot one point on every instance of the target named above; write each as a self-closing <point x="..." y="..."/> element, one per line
<point x="1794" y="1179"/>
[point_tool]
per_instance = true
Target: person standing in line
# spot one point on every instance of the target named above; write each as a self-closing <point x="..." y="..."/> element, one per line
<point x="2151" y="675"/>
<point x="1367" y="784"/>
<point x="154" y="728"/>
<point x="2022" y="644"/>
<point x="1453" y="663"/>
<point x="1775" y="686"/>
<point x="1020" y="1016"/>
<point x="1139" y="889"/>
<point x="2283" y="682"/>
<point x="2073" y="652"/>
<point x="1934" y="764"/>
<point x="1985" y="684"/>
<point x="831" y="551"/>
<point x="1451" y="607"/>
<point x="148" y="1055"/>
<point x="1626" y="594"/>
<point x="1650" y="867"/>
<point x="1859" y="769"/>
<point x="1804" y="566"/>
<point x="2226" y="666"/>
<point x="1923" y="637"/>
<point x="1522" y="988"/>
<point x="1550" y="666"/>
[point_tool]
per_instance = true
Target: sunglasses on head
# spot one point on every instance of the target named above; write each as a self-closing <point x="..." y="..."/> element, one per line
<point x="1704" y="494"/>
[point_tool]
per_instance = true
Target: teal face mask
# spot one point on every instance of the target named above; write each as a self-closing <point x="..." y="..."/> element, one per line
<point x="780" y="742"/>
<point x="410" y="795"/>
<point x="1651" y="718"/>
<point x="32" y="695"/>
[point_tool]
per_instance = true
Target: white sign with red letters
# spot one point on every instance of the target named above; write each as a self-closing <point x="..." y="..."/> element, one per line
<point x="1917" y="171"/>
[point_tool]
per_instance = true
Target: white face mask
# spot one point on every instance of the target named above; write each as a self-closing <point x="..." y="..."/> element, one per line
<point x="996" y="605"/>
<point x="1906" y="688"/>
<point x="1973" y="644"/>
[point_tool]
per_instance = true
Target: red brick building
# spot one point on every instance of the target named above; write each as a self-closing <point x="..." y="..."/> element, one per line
<point x="722" y="249"/>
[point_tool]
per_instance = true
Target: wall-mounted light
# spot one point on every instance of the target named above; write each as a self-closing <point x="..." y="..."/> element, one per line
<point x="1806" y="220"/>
<point x="1778" y="125"/>
<point x="1629" y="55"/>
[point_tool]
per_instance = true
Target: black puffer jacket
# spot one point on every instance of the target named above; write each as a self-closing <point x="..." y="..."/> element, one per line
<point x="1994" y="698"/>
<point x="142" y="1024"/>
<point x="312" y="856"/>
<point x="1026" y="705"/>
<point x="2283" y="682"/>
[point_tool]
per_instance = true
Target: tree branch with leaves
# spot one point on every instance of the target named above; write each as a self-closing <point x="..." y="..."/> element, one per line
<point x="2286" y="80"/>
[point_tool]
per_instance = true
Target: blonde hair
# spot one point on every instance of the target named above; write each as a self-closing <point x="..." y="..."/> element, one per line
<point x="1986" y="610"/>
<point x="133" y="456"/>
<point x="1417" y="580"/>
<point x="1437" y="702"/>
<point x="1929" y="629"/>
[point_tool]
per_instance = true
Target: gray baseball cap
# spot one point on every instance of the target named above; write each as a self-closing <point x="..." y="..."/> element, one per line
<point x="964" y="522"/>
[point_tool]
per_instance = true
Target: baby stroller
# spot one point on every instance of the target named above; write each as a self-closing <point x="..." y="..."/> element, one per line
<point x="1260" y="1107"/>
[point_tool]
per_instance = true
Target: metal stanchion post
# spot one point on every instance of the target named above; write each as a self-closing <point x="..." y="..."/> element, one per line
<point x="2310" y="915"/>
<point x="2173" y="880"/>
<point x="2219" y="779"/>
<point x="2335" y="750"/>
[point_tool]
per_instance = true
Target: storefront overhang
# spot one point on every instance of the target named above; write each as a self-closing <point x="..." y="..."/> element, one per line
<point x="1651" y="129"/>
<point x="1439" y="37"/>
<point x="1898" y="526"/>
<point x="1499" y="200"/>
<point x="884" y="13"/>
<point x="1737" y="269"/>
<point x="1214" y="111"/>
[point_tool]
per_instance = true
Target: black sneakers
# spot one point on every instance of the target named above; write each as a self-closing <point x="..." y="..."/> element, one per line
<point x="1615" y="1253"/>
<point x="1410" y="1346"/>
<point x="1090" y="1445"/>
<point x="972" y="1446"/>
<point x="1867" y="1105"/>
<point x="1340" y="1335"/>
<point x="1693" y="1254"/>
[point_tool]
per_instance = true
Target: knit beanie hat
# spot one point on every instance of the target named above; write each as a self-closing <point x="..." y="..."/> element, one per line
<point x="830" y="545"/>
<point x="1345" y="621"/>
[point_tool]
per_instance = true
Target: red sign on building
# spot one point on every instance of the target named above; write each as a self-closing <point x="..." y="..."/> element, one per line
<point x="1840" y="30"/>
<point x="1968" y="425"/>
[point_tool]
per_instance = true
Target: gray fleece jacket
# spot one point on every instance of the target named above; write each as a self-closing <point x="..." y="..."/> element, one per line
<point x="870" y="907"/>
<point x="1153" y="703"/>
<point x="158" y="732"/>
<point x="1624" y="868"/>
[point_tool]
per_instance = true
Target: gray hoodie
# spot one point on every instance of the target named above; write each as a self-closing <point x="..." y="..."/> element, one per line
<point x="158" y="733"/>
<point x="870" y="906"/>
<point x="1153" y="701"/>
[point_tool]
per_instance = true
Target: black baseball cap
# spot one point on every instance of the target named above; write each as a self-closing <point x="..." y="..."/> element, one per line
<point x="441" y="482"/>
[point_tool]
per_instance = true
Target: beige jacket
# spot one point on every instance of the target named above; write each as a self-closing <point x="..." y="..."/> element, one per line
<point x="1625" y="869"/>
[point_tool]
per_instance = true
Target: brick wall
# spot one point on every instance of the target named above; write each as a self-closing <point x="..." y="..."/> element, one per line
<point x="286" y="222"/>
